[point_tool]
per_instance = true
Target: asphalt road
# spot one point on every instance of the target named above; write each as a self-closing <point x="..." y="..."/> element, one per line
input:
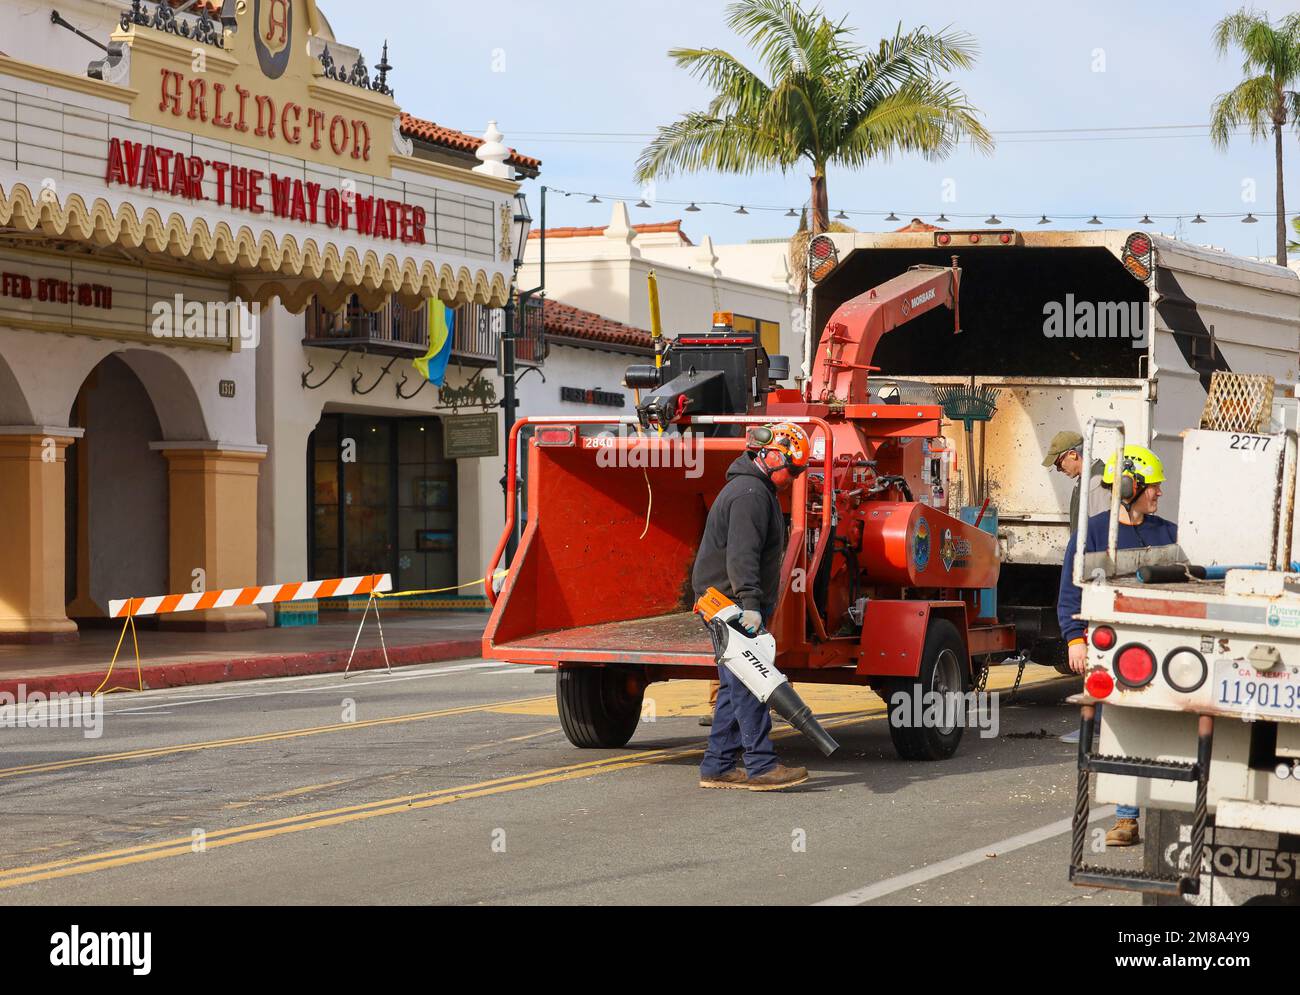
<point x="453" y="783"/>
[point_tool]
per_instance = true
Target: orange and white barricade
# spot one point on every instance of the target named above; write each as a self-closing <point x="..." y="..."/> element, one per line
<point x="129" y="609"/>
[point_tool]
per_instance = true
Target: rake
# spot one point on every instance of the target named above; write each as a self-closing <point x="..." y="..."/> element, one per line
<point x="970" y="404"/>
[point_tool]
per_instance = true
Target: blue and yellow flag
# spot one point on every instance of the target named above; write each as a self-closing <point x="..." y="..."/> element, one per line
<point x="442" y="330"/>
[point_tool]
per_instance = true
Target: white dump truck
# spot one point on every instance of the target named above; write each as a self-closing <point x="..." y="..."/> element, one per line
<point x="1066" y="326"/>
<point x="1193" y="678"/>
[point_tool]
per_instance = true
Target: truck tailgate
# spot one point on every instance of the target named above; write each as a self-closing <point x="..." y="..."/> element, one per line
<point x="678" y="638"/>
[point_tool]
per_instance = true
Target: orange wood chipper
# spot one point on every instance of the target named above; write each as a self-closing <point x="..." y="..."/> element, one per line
<point x="882" y="583"/>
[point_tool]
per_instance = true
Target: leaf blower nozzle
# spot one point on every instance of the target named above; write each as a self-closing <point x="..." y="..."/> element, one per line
<point x="752" y="659"/>
<point x="791" y="707"/>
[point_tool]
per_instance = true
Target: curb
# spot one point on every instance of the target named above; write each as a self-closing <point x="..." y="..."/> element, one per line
<point x="172" y="675"/>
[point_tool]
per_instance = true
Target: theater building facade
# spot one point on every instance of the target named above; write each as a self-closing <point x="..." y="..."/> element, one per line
<point x="218" y="242"/>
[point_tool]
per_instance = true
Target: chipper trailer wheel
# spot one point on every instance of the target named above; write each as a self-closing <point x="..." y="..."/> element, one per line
<point x="945" y="668"/>
<point x="599" y="706"/>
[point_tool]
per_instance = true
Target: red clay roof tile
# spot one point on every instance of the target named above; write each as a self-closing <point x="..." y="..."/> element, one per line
<point x="566" y="321"/>
<point x="428" y="131"/>
<point x="592" y="230"/>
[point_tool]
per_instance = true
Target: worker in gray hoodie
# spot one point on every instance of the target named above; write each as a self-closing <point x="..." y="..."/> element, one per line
<point x="740" y="554"/>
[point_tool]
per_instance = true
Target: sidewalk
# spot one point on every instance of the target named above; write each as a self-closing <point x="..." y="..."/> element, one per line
<point x="172" y="659"/>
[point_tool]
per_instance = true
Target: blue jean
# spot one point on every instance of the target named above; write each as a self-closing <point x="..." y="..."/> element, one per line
<point x="740" y="722"/>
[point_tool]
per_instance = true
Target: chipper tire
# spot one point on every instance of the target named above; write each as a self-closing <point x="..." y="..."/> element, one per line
<point x="945" y="667"/>
<point x="597" y="705"/>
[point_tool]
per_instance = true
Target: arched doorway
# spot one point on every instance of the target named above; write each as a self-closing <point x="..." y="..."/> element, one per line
<point x="116" y="496"/>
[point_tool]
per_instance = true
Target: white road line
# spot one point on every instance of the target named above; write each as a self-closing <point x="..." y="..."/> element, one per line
<point x="970" y="858"/>
<point x="179" y="700"/>
<point x="515" y="669"/>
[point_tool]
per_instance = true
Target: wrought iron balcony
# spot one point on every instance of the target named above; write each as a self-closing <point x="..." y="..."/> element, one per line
<point x="478" y="330"/>
<point x="395" y="330"/>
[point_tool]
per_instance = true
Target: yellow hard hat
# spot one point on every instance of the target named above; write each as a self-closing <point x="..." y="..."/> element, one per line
<point x="1140" y="463"/>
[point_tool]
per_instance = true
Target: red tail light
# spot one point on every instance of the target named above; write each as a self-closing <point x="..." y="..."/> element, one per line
<point x="557" y="435"/>
<point x="1099" y="684"/>
<point x="1103" y="637"/>
<point x="1135" y="665"/>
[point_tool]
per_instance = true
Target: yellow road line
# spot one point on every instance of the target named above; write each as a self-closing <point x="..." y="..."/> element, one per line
<point x="89" y="863"/>
<point x="269" y="737"/>
<point x="291" y="793"/>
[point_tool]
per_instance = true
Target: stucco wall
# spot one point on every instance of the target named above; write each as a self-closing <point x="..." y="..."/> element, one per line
<point x="287" y="413"/>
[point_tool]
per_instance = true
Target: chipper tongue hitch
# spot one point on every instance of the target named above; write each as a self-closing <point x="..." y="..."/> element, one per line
<point x="752" y="660"/>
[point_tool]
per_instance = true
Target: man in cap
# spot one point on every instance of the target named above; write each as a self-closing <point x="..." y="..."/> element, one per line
<point x="1065" y="453"/>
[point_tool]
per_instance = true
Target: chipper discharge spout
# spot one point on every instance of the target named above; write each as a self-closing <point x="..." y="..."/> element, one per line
<point x="753" y="660"/>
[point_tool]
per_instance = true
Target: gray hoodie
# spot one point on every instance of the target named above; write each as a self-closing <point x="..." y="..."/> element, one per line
<point x="744" y="540"/>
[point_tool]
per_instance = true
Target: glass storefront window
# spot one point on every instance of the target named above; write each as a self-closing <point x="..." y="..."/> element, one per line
<point x="383" y="500"/>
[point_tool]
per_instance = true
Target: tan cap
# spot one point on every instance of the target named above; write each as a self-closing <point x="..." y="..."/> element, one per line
<point x="1062" y="442"/>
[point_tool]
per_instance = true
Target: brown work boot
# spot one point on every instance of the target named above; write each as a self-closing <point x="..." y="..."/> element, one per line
<point x="734" y="778"/>
<point x="1124" y="833"/>
<point x="778" y="778"/>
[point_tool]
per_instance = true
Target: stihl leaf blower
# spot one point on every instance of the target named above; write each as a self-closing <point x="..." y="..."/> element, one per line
<point x="753" y="660"/>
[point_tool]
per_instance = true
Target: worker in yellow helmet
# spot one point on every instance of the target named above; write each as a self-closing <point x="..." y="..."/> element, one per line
<point x="1138" y="476"/>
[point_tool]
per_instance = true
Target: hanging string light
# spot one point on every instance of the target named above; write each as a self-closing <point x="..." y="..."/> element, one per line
<point x="892" y="216"/>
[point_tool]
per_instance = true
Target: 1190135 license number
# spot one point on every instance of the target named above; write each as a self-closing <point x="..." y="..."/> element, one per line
<point x="1239" y="687"/>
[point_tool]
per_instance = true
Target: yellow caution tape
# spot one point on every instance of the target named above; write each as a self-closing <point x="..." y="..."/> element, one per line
<point x="437" y="590"/>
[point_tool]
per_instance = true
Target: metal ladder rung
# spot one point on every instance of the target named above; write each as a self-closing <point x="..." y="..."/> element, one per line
<point x="1108" y="877"/>
<point x="1167" y="770"/>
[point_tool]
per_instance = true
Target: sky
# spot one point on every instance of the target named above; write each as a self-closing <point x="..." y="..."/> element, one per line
<point x="583" y="85"/>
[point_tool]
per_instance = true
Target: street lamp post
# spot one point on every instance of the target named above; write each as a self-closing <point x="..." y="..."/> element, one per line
<point x="522" y="223"/>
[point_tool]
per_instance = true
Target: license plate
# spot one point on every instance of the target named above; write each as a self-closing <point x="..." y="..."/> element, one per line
<point x="1239" y="687"/>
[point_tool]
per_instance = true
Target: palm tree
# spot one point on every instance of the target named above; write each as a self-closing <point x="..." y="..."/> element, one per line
<point x="1263" y="100"/>
<point x="820" y="99"/>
